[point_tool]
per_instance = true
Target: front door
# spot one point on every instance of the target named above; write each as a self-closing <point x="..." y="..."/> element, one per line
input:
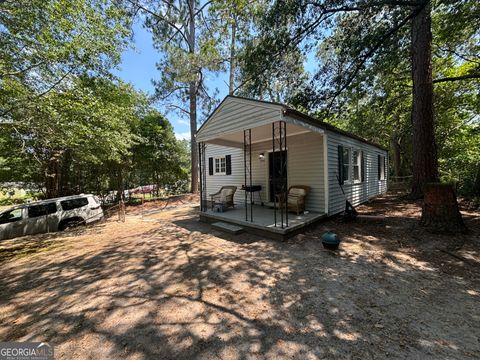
<point x="276" y="177"/>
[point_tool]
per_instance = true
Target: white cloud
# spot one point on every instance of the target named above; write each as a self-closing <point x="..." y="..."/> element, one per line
<point x="183" y="122"/>
<point x="183" y="136"/>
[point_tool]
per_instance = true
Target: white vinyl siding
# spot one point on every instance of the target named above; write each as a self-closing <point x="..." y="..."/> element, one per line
<point x="306" y="155"/>
<point x="356" y="192"/>
<point x="238" y="115"/>
<point x="305" y="167"/>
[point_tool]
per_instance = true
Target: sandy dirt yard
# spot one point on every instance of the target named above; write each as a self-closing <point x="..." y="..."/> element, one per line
<point x="167" y="286"/>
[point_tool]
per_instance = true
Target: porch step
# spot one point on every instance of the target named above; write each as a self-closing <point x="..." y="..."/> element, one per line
<point x="228" y="228"/>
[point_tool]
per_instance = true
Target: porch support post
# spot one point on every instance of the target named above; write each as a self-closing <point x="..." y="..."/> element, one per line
<point x="202" y="177"/>
<point x="247" y="167"/>
<point x="274" y="177"/>
<point x="279" y="148"/>
<point x="250" y="167"/>
<point x="200" y="174"/>
<point x="285" y="168"/>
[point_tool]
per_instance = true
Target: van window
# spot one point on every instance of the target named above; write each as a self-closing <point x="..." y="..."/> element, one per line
<point x="11" y="216"/>
<point x="41" y="210"/>
<point x="74" y="203"/>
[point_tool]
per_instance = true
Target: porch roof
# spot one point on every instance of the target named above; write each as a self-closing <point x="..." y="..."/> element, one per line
<point x="226" y="124"/>
<point x="234" y="114"/>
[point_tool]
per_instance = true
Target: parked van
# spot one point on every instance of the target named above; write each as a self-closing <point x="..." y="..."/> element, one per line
<point x="49" y="215"/>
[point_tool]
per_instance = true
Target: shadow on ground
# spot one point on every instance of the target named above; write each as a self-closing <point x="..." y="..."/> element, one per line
<point x="173" y="288"/>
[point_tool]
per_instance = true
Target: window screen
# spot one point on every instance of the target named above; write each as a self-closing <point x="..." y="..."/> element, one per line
<point x="41" y="210"/>
<point x="74" y="203"/>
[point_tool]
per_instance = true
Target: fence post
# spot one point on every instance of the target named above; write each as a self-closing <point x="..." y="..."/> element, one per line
<point x="121" y="211"/>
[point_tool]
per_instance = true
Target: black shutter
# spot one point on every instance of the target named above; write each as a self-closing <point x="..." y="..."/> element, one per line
<point x="228" y="164"/>
<point x="379" y="160"/>
<point x="340" y="164"/>
<point x="210" y="166"/>
<point x="363" y="166"/>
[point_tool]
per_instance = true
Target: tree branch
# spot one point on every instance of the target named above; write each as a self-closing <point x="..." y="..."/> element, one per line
<point x="372" y="51"/>
<point x="203" y="7"/>
<point x="18" y="72"/>
<point x="179" y="108"/>
<point x="172" y="91"/>
<point x="460" y="56"/>
<point x="472" y="76"/>
<point x="378" y="3"/>
<point x="46" y="91"/>
<point x="161" y="18"/>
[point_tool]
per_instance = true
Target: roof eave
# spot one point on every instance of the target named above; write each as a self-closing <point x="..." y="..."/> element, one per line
<point x="326" y="126"/>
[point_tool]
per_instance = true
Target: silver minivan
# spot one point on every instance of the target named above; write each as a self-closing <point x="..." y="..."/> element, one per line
<point x="49" y="215"/>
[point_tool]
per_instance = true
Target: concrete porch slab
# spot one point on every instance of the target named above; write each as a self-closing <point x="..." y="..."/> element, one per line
<point x="263" y="221"/>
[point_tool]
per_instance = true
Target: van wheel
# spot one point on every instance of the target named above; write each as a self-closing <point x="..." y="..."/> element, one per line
<point x="70" y="223"/>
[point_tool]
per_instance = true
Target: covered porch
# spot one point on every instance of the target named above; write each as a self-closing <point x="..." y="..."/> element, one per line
<point x="263" y="223"/>
<point x="265" y="150"/>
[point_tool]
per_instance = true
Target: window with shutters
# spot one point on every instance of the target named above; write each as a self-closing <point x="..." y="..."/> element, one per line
<point x="220" y="165"/>
<point x="357" y="165"/>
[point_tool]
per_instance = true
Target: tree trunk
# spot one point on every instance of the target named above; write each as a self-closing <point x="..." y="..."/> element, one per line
<point x="231" y="82"/>
<point x="64" y="181"/>
<point x="192" y="92"/>
<point x="440" y="213"/>
<point x="476" y="184"/>
<point x="425" y="166"/>
<point x="53" y="174"/>
<point x="120" y="185"/>
<point x="396" y="157"/>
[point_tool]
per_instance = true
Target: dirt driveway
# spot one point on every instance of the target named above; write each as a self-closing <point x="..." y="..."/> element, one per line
<point x="167" y="286"/>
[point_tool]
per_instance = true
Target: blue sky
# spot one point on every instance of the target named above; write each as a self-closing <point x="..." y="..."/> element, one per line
<point x="138" y="68"/>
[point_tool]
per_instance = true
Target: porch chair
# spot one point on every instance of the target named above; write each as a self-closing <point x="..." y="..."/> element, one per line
<point x="224" y="196"/>
<point x="295" y="198"/>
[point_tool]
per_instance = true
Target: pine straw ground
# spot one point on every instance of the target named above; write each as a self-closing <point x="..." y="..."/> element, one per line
<point x="167" y="286"/>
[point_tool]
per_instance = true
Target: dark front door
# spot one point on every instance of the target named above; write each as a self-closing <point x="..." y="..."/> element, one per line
<point x="276" y="176"/>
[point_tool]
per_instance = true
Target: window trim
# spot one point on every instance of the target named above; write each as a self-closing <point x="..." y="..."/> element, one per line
<point x="347" y="164"/>
<point x="219" y="158"/>
<point x="382" y="167"/>
<point x="359" y="164"/>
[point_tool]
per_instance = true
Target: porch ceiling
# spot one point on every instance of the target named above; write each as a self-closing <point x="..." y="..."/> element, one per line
<point x="260" y="134"/>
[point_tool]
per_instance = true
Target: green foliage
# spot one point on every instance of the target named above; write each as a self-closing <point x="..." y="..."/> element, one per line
<point x="45" y="43"/>
<point x="362" y="79"/>
<point x="158" y="157"/>
<point x="188" y="50"/>
<point x="67" y="124"/>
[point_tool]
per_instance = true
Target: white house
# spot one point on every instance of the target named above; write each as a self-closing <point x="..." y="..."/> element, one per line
<point x="271" y="146"/>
